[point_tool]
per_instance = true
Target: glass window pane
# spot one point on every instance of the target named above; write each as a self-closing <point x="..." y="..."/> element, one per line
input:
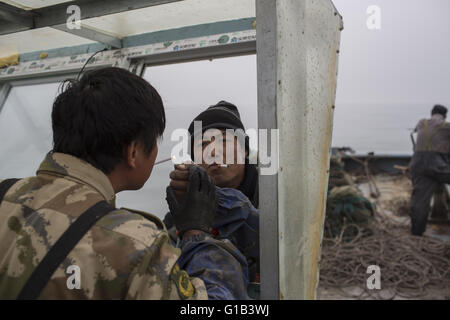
<point x="25" y="129"/>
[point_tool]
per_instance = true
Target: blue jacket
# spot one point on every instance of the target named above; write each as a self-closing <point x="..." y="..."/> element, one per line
<point x="219" y="264"/>
<point x="238" y="221"/>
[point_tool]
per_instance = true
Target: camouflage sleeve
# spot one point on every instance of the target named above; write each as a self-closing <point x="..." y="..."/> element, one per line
<point x="159" y="276"/>
<point x="219" y="264"/>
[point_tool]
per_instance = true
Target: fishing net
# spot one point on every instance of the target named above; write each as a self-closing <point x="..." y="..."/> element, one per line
<point x="358" y="234"/>
<point x="410" y="266"/>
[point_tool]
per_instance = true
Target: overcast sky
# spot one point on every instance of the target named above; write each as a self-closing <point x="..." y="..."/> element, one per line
<point x="388" y="78"/>
<point x="407" y="60"/>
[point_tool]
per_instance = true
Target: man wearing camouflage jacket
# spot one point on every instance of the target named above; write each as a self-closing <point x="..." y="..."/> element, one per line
<point x="105" y="128"/>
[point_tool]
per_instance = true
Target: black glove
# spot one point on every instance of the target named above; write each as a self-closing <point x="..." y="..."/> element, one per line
<point x="198" y="210"/>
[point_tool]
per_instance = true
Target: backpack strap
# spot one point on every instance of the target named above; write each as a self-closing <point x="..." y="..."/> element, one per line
<point x="56" y="255"/>
<point x="5" y="185"/>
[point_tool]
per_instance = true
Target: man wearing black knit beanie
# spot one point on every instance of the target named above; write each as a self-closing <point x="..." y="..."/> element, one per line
<point x="243" y="177"/>
<point x="237" y="181"/>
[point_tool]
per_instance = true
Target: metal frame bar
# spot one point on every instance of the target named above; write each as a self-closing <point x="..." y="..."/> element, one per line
<point x="216" y="45"/>
<point x="43" y="79"/>
<point x="57" y="14"/>
<point x="214" y="52"/>
<point x="16" y="18"/>
<point x="171" y="35"/>
<point x="52" y="15"/>
<point x="21" y="20"/>
<point x="91" y="34"/>
<point x="266" y="21"/>
<point x="50" y="75"/>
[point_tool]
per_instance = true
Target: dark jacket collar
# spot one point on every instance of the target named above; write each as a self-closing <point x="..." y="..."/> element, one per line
<point x="249" y="185"/>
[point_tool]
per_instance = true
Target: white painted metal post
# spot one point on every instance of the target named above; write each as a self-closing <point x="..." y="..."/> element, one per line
<point x="266" y="26"/>
<point x="297" y="48"/>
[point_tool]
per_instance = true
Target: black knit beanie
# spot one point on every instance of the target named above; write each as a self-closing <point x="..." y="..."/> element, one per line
<point x="223" y="115"/>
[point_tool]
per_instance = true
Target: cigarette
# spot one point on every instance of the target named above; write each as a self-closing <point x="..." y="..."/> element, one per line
<point x="223" y="165"/>
<point x="165" y="160"/>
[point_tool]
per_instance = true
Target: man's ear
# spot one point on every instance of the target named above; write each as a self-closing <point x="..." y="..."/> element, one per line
<point x="130" y="155"/>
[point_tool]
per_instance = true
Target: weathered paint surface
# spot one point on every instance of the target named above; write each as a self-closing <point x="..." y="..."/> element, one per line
<point x="119" y="57"/>
<point x="308" y="34"/>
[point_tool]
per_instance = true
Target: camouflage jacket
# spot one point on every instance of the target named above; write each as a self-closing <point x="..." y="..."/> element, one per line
<point x="125" y="255"/>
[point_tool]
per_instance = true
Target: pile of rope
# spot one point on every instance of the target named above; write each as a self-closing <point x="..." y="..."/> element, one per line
<point x="358" y="235"/>
<point x="409" y="265"/>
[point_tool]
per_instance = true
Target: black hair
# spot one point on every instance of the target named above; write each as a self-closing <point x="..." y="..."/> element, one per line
<point x="96" y="117"/>
<point x="438" y="109"/>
